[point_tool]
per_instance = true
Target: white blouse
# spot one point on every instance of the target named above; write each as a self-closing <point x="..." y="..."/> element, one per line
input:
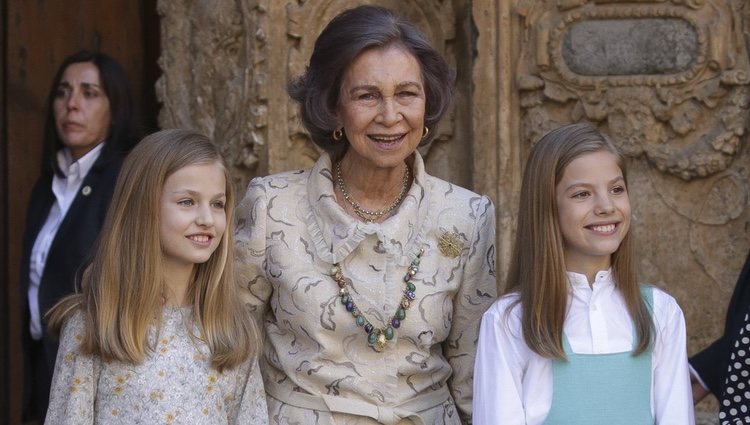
<point x="513" y="385"/>
<point x="65" y="188"/>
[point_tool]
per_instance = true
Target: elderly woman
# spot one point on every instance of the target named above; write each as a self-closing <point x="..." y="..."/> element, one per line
<point x="369" y="275"/>
<point x="90" y="125"/>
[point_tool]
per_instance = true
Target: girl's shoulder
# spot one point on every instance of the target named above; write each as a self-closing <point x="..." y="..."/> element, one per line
<point x="74" y="322"/>
<point x="73" y="330"/>
<point x="507" y="306"/>
<point x="666" y="309"/>
<point x="503" y="320"/>
<point x="661" y="298"/>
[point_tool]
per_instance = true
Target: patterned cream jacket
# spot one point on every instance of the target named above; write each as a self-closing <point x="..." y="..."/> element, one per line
<point x="317" y="366"/>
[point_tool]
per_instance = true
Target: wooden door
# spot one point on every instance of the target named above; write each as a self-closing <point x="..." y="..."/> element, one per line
<point x="39" y="36"/>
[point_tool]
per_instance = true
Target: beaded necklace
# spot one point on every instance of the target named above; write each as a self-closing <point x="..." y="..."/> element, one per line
<point x="378" y="337"/>
<point x="368" y="215"/>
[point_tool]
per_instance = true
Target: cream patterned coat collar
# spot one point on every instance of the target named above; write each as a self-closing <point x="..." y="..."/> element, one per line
<point x="336" y="234"/>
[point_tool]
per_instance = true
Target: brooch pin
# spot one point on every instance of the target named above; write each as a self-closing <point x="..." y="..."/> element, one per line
<point x="450" y="244"/>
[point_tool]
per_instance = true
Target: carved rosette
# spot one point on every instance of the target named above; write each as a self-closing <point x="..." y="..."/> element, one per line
<point x="668" y="81"/>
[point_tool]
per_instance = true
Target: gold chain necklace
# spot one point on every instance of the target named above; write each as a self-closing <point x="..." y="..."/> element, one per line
<point x="368" y="215"/>
<point x="378" y="337"/>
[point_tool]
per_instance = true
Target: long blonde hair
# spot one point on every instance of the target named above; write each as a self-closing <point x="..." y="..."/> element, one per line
<point x="123" y="289"/>
<point x="537" y="269"/>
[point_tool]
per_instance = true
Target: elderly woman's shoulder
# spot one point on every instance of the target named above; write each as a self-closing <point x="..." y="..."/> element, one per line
<point x="455" y="196"/>
<point x="438" y="185"/>
<point x="281" y="181"/>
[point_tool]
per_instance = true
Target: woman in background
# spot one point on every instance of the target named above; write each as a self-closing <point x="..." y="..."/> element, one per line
<point x="723" y="368"/>
<point x="90" y="125"/>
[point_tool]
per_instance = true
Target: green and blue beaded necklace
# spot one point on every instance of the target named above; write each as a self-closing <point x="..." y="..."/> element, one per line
<point x="377" y="337"/>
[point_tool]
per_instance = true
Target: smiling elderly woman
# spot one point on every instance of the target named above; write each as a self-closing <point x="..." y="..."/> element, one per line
<point x="369" y="275"/>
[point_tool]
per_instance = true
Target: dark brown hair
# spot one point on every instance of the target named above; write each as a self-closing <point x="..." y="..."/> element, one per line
<point x="125" y="129"/>
<point x="344" y="38"/>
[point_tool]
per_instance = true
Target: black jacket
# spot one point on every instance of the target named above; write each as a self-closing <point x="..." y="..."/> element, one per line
<point x="73" y="243"/>
<point x="712" y="363"/>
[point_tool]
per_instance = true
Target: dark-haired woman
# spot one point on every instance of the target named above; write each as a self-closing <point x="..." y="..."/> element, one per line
<point x="90" y="125"/>
<point x="369" y="275"/>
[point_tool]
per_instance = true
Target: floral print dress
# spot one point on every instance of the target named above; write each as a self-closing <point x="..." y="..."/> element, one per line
<point x="317" y="365"/>
<point x="176" y="383"/>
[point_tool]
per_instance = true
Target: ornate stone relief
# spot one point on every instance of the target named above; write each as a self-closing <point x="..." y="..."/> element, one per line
<point x="213" y="75"/>
<point x="668" y="80"/>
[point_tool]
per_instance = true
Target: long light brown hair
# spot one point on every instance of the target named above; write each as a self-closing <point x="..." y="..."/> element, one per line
<point x="537" y="269"/>
<point x="123" y="288"/>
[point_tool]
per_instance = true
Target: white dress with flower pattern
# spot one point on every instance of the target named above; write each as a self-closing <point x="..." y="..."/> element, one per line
<point x="176" y="384"/>
<point x="291" y="231"/>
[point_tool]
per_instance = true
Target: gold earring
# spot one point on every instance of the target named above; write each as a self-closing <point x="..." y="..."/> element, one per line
<point x="338" y="134"/>
<point x="426" y="132"/>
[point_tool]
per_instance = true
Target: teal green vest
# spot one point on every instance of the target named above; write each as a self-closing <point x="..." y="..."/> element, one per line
<point x="596" y="389"/>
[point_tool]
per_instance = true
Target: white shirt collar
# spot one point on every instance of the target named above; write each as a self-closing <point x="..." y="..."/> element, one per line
<point x="578" y="280"/>
<point x="79" y="168"/>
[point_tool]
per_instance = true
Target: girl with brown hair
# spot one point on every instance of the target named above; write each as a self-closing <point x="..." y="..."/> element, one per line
<point x="576" y="339"/>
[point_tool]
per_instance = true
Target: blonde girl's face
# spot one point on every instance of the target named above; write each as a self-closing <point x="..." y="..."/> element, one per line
<point x="192" y="214"/>
<point x="594" y="211"/>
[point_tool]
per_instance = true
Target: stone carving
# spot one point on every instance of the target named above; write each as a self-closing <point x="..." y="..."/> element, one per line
<point x="211" y="80"/>
<point x="688" y="116"/>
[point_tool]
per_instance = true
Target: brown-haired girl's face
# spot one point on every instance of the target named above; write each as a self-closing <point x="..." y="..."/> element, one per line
<point x="192" y="214"/>
<point x="81" y="109"/>
<point x="594" y="211"/>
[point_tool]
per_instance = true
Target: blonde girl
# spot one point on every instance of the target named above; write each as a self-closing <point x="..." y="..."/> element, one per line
<point x="576" y="339"/>
<point x="157" y="334"/>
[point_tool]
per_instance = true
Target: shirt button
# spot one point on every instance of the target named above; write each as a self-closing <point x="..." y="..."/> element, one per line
<point x="86" y="191"/>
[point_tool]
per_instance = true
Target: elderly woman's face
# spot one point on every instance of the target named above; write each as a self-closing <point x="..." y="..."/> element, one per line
<point x="81" y="108"/>
<point x="382" y="106"/>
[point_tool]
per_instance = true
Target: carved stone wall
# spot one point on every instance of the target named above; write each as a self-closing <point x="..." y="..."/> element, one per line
<point x="213" y="79"/>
